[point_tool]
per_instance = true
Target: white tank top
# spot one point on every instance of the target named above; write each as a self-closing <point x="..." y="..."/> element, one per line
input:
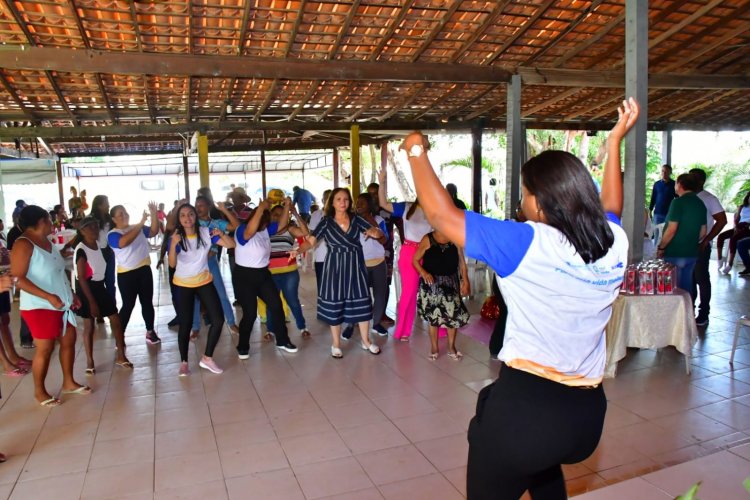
<point x="95" y="260"/>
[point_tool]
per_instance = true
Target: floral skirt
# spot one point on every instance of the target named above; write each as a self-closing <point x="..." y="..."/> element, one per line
<point x="440" y="304"/>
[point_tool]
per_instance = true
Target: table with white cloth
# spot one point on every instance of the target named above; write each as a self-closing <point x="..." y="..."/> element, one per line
<point x="650" y="322"/>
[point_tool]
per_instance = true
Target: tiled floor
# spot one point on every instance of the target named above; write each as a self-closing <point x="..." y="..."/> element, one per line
<point x="393" y="426"/>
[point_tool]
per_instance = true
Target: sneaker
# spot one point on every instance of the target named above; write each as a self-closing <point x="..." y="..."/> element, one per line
<point x="173" y="322"/>
<point x="336" y="352"/>
<point x="701" y="320"/>
<point x="243" y="354"/>
<point x="152" y="337"/>
<point x="725" y="268"/>
<point x="288" y="347"/>
<point x="347" y="333"/>
<point x="380" y="330"/>
<point x="744" y="272"/>
<point x="184" y="370"/>
<point x="210" y="365"/>
<point x="372" y="348"/>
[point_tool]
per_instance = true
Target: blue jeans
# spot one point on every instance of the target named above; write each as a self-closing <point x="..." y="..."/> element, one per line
<point x="226" y="306"/>
<point x="659" y="218"/>
<point x="288" y="284"/>
<point x="685" y="267"/>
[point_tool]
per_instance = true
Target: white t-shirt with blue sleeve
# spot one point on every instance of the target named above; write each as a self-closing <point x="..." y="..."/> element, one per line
<point x="558" y="306"/>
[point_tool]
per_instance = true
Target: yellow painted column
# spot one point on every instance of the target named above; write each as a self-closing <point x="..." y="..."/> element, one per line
<point x="354" y="143"/>
<point x="203" y="159"/>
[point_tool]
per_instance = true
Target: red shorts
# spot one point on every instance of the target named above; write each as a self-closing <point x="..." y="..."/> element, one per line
<point x="44" y="324"/>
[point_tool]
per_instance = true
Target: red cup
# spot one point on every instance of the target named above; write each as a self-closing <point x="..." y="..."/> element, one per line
<point x="60" y="239"/>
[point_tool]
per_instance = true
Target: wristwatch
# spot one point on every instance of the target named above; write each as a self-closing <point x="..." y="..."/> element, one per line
<point x="415" y="151"/>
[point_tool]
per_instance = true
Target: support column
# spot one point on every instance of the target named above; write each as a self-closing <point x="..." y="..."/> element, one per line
<point x="476" y="169"/>
<point x="636" y="85"/>
<point x="335" y="168"/>
<point x="384" y="157"/>
<point x="186" y="175"/>
<point x="354" y="143"/>
<point x="666" y="146"/>
<point x="59" y="172"/>
<point x="203" y="159"/>
<point x="263" y="173"/>
<point x="515" y="147"/>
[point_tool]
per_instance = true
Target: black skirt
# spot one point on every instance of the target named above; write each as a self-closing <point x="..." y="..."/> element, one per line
<point x="106" y="305"/>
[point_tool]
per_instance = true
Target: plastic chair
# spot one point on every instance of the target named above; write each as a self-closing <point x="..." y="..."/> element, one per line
<point x="743" y="321"/>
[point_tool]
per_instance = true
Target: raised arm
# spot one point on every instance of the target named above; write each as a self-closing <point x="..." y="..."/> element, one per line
<point x="611" y="194"/>
<point x="383" y="191"/>
<point x="234" y="222"/>
<point x="433" y="198"/>
<point x="129" y="237"/>
<point x="154" y="212"/>
<point x="254" y="223"/>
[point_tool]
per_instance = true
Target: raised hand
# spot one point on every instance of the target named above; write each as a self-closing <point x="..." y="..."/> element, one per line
<point x="144" y="218"/>
<point x="174" y="240"/>
<point x="627" y="114"/>
<point x="413" y="138"/>
<point x="264" y="204"/>
<point x="153" y="207"/>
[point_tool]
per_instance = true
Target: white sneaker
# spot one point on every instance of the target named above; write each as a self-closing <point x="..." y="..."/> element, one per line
<point x="726" y="268"/>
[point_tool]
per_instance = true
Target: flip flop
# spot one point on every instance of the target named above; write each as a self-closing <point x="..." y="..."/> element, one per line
<point x="83" y="390"/>
<point x="50" y="403"/>
<point x="90" y="371"/>
<point x="455" y="355"/>
<point x="16" y="372"/>
<point x="433" y="356"/>
<point x="124" y="364"/>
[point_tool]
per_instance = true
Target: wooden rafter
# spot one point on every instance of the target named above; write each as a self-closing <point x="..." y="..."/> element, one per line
<point x="402" y="104"/>
<point x="97" y="76"/>
<point x="596" y="105"/>
<point x="229" y="99"/>
<point x="344" y="30"/>
<point x="14" y="95"/>
<point x="540" y="10"/>
<point x="584" y="14"/>
<point x="483" y="111"/>
<point x="301" y="104"/>
<point x="373" y="98"/>
<point x="594" y="39"/>
<point x="706" y="49"/>
<point x="240" y="52"/>
<point x="489" y="21"/>
<point x="295" y="28"/>
<point x="189" y="100"/>
<point x="689" y="107"/>
<point x="437" y="29"/>
<point x="549" y="102"/>
<point x="144" y="77"/>
<point x="455" y="111"/>
<point x="441" y="99"/>
<point x="332" y="107"/>
<point x="391" y="30"/>
<point x="266" y="101"/>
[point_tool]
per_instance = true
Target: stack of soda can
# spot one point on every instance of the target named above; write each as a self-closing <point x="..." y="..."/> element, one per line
<point x="652" y="277"/>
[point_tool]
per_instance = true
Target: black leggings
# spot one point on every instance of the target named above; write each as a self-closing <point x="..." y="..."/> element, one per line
<point x="137" y="283"/>
<point x="252" y="283"/>
<point x="526" y="427"/>
<point x="210" y="300"/>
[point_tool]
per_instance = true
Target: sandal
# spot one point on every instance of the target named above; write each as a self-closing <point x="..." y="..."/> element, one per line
<point x="83" y="390"/>
<point x="404" y="339"/>
<point x="194" y="335"/>
<point x="305" y="333"/>
<point x="124" y="364"/>
<point x="90" y="371"/>
<point x="336" y="352"/>
<point x="268" y="336"/>
<point x="433" y="356"/>
<point x="457" y="355"/>
<point x="17" y="372"/>
<point x="50" y="403"/>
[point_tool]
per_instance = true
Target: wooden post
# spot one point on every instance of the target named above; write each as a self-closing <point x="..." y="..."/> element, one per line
<point x="636" y="85"/>
<point x="354" y="143"/>
<point x="515" y="147"/>
<point x="335" y="168"/>
<point x="203" y="159"/>
<point x="263" y="173"/>
<point x="666" y="146"/>
<point x="384" y="161"/>
<point x="476" y="169"/>
<point x="186" y="176"/>
<point x="59" y="172"/>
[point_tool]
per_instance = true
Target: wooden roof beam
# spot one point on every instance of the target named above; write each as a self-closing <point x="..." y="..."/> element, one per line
<point x="489" y="21"/>
<point x="402" y="104"/>
<point x="436" y="31"/>
<point x="455" y="111"/>
<point x="383" y="91"/>
<point x="541" y="9"/>
<point x="93" y="61"/>
<point x="303" y="101"/>
<point x="189" y="101"/>
<point x="391" y="30"/>
<point x="596" y="105"/>
<point x="267" y="101"/>
<point x="344" y="30"/>
<point x="594" y="39"/>
<point x="19" y="102"/>
<point x="440" y="100"/>
<point x="549" y="102"/>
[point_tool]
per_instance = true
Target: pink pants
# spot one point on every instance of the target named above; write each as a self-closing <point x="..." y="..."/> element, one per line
<point x="407" y="302"/>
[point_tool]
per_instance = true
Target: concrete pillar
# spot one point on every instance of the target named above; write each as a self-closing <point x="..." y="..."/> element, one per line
<point x="203" y="159"/>
<point x="186" y="176"/>
<point x="476" y="169"/>
<point x="666" y="147"/>
<point x="636" y="85"/>
<point x="263" y="184"/>
<point x="354" y="143"/>
<point x="515" y="147"/>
